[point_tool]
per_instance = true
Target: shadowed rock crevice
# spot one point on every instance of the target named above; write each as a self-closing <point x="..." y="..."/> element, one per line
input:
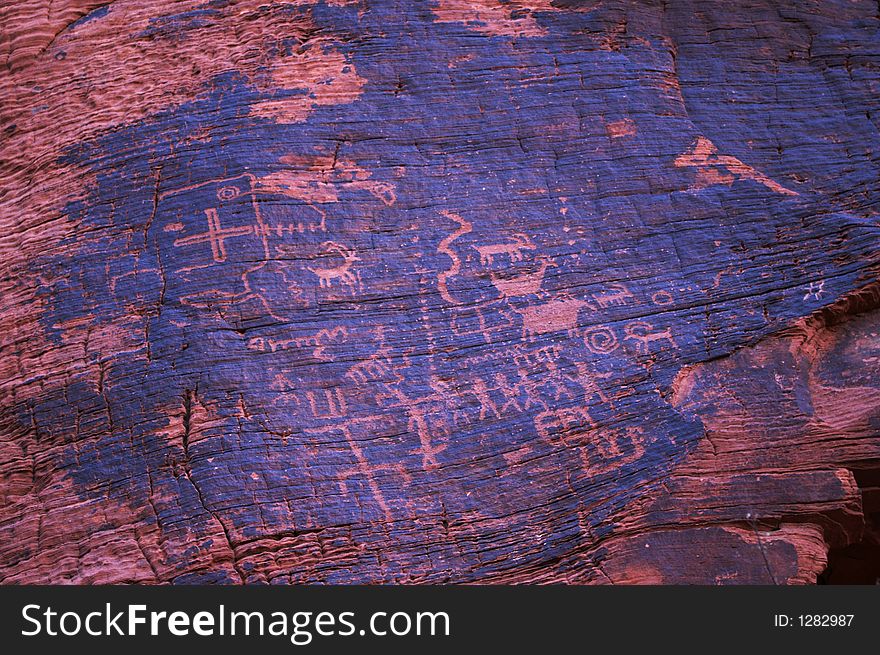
<point x="859" y="562"/>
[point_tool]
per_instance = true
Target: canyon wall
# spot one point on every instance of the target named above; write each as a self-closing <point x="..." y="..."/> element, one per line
<point x="439" y="291"/>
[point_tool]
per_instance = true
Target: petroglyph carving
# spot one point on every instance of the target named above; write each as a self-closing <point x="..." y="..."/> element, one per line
<point x="377" y="367"/>
<point x="368" y="370"/>
<point x="216" y="235"/>
<point x="600" y="340"/>
<point x="713" y="168"/>
<point x="599" y="451"/>
<point x="384" y="192"/>
<point x="510" y="393"/>
<point x="644" y="334"/>
<point x="541" y="363"/>
<point x="363" y="467"/>
<point x="521" y="285"/>
<point x="618" y="296"/>
<point x="553" y="316"/>
<point x="481" y="391"/>
<point x="483" y="320"/>
<point x="521" y="355"/>
<point x="321" y="178"/>
<point x="418" y="422"/>
<point x="285" y="228"/>
<point x="513" y="249"/>
<point x="661" y="298"/>
<point x="228" y="193"/>
<point x="531" y="388"/>
<point x="327" y="403"/>
<point x="267" y="344"/>
<point x="341" y="272"/>
<point x="612" y="450"/>
<point x="567" y="426"/>
<point x="586" y="378"/>
<point x="446" y="249"/>
<point x="622" y="128"/>
<point x="537" y="356"/>
<point x="179" y="211"/>
<point x="815" y="290"/>
<point x="556" y="379"/>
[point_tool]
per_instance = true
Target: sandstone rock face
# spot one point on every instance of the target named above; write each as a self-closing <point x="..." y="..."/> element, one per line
<point x="438" y="291"/>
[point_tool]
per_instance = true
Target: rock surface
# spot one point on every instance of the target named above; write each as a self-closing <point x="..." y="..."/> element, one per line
<point x="439" y="291"/>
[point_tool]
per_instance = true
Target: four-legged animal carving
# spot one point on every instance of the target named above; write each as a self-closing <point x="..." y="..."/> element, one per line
<point x="618" y="295"/>
<point x="512" y="249"/>
<point x="643" y="334"/>
<point x="342" y="272"/>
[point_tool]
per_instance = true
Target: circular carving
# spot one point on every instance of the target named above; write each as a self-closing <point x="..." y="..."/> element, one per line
<point x="228" y="192"/>
<point x="600" y="340"/>
<point x="662" y="298"/>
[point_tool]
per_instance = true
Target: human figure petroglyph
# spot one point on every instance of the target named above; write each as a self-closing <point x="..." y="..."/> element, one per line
<point x="363" y="467"/>
<point x="510" y="393"/>
<point x="342" y="272"/>
<point x="447" y="393"/>
<point x="481" y="391"/>
<point x="418" y="423"/>
<point x="513" y="249"/>
<point x="522" y="285"/>
<point x="619" y="295"/>
<point x="445" y="247"/>
<point x="644" y="334"/>
<point x="531" y="387"/>
<point x="557" y="380"/>
<point x="377" y="369"/>
<point x="586" y="378"/>
<point x="552" y="316"/>
<point x="542" y="362"/>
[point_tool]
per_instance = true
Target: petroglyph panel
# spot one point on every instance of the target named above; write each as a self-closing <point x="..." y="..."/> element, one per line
<point x="327" y="292"/>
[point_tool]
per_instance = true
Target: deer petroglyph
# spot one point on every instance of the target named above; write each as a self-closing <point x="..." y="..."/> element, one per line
<point x="342" y="272"/>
